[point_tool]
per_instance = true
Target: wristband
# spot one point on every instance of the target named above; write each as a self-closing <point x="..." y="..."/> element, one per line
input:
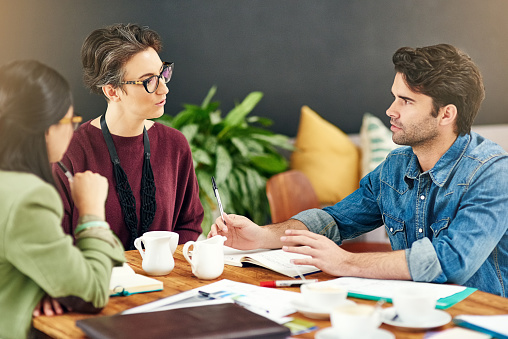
<point x="88" y="217"/>
<point x="89" y="224"/>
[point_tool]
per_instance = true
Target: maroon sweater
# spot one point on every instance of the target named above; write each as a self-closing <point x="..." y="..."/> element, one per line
<point x="177" y="192"/>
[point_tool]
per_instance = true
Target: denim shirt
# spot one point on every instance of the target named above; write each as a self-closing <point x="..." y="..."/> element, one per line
<point x="451" y="220"/>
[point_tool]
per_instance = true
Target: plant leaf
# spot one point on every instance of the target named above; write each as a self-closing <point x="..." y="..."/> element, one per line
<point x="215" y="117"/>
<point x="263" y="121"/>
<point x="189" y="131"/>
<point x="223" y="164"/>
<point x="209" y="97"/>
<point x="240" y="146"/>
<point x="270" y="163"/>
<point x="205" y="185"/>
<point x="207" y="222"/>
<point x="279" y="140"/>
<point x="200" y="156"/>
<point x="183" y="118"/>
<point x="165" y="119"/>
<point x="237" y="115"/>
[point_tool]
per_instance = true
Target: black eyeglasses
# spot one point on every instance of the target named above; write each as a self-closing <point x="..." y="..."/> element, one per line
<point x="152" y="83"/>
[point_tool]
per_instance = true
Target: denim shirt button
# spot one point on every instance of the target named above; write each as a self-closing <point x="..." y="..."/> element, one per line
<point x="420" y="230"/>
<point x="391" y="229"/>
<point x="422" y="197"/>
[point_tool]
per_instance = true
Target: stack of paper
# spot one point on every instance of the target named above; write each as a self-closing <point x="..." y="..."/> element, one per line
<point x="272" y="303"/>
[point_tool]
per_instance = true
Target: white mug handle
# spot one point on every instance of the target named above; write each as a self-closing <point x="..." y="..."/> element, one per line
<point x="137" y="244"/>
<point x="185" y="252"/>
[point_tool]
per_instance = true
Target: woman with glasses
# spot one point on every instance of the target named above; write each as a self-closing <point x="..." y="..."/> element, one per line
<point x="149" y="167"/>
<point x="38" y="261"/>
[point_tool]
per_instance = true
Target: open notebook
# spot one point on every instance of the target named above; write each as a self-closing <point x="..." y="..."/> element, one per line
<point x="275" y="260"/>
<point x="125" y="281"/>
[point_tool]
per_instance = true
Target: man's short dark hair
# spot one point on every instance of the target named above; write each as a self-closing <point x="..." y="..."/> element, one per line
<point x="447" y="75"/>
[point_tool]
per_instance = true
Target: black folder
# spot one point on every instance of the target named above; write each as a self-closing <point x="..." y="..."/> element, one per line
<point x="212" y="321"/>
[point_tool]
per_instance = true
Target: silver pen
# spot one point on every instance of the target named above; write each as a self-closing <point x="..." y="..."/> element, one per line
<point x="219" y="203"/>
<point x="66" y="171"/>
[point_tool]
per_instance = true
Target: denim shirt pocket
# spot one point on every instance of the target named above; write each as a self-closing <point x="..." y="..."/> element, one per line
<point x="439" y="226"/>
<point x="396" y="230"/>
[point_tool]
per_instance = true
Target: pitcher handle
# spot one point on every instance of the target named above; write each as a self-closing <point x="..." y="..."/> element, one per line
<point x="137" y="244"/>
<point x="185" y="252"/>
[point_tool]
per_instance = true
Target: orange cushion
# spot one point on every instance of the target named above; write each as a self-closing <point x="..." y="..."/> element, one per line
<point x="327" y="156"/>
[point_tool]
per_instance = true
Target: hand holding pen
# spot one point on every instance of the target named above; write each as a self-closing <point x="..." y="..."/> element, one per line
<point x="88" y="191"/>
<point x="219" y="203"/>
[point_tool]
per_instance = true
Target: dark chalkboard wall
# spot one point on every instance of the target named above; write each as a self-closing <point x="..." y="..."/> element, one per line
<point x="334" y="56"/>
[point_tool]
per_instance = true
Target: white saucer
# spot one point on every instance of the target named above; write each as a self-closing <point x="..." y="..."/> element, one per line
<point x="331" y="333"/>
<point x="437" y="318"/>
<point x="314" y="313"/>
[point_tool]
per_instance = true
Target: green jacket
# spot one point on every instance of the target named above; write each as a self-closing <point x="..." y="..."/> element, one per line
<point x="36" y="257"/>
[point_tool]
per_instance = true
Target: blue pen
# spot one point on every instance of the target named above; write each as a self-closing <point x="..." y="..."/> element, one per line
<point x="219" y="203"/>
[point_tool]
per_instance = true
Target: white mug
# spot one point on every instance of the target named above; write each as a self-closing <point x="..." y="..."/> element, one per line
<point x="323" y="296"/>
<point x="355" y="321"/>
<point x="414" y="304"/>
<point x="207" y="257"/>
<point x="158" y="253"/>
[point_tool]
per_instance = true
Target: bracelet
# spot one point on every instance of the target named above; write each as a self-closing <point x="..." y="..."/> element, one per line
<point x="88" y="217"/>
<point x="101" y="233"/>
<point x="89" y="224"/>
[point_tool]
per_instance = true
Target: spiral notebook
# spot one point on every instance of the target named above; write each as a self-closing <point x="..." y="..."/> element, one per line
<point x="125" y="281"/>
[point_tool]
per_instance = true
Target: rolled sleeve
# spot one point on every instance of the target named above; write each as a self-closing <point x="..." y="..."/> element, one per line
<point x="423" y="262"/>
<point x="320" y="222"/>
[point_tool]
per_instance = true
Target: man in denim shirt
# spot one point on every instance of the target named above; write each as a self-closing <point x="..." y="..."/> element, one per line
<point x="443" y="198"/>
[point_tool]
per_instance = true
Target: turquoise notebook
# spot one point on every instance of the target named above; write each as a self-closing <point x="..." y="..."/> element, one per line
<point x="442" y="303"/>
<point x="376" y="289"/>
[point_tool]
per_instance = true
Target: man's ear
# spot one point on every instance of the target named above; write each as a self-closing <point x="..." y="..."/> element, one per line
<point x="111" y="92"/>
<point x="448" y="115"/>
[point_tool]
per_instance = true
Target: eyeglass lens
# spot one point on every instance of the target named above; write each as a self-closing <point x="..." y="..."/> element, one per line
<point x="152" y="82"/>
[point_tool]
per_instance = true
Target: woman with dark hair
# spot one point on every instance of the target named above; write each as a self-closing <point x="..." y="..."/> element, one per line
<point x="36" y="256"/>
<point x="148" y="165"/>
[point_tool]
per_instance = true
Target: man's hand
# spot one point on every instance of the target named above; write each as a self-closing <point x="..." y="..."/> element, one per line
<point x="241" y="233"/>
<point x="324" y="253"/>
<point x="331" y="259"/>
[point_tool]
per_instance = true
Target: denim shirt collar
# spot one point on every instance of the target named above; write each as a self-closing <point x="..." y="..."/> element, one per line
<point x="444" y="166"/>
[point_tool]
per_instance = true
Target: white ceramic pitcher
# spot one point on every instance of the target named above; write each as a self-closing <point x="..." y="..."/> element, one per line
<point x="207" y="257"/>
<point x="157" y="256"/>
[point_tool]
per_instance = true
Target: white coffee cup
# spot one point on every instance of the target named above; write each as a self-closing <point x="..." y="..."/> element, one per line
<point x="414" y="304"/>
<point x="157" y="254"/>
<point x="355" y="321"/>
<point x="322" y="296"/>
<point x="206" y="258"/>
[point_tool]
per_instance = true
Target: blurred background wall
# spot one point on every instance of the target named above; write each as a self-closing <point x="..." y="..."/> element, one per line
<point x="334" y="56"/>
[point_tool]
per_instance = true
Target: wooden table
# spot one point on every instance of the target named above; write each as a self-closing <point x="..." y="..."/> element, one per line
<point x="181" y="279"/>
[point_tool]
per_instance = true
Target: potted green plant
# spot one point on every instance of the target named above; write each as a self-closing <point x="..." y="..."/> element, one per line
<point x="237" y="150"/>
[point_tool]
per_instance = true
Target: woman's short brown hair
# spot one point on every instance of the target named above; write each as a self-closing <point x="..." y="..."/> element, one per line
<point x="106" y="50"/>
<point x="447" y="75"/>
